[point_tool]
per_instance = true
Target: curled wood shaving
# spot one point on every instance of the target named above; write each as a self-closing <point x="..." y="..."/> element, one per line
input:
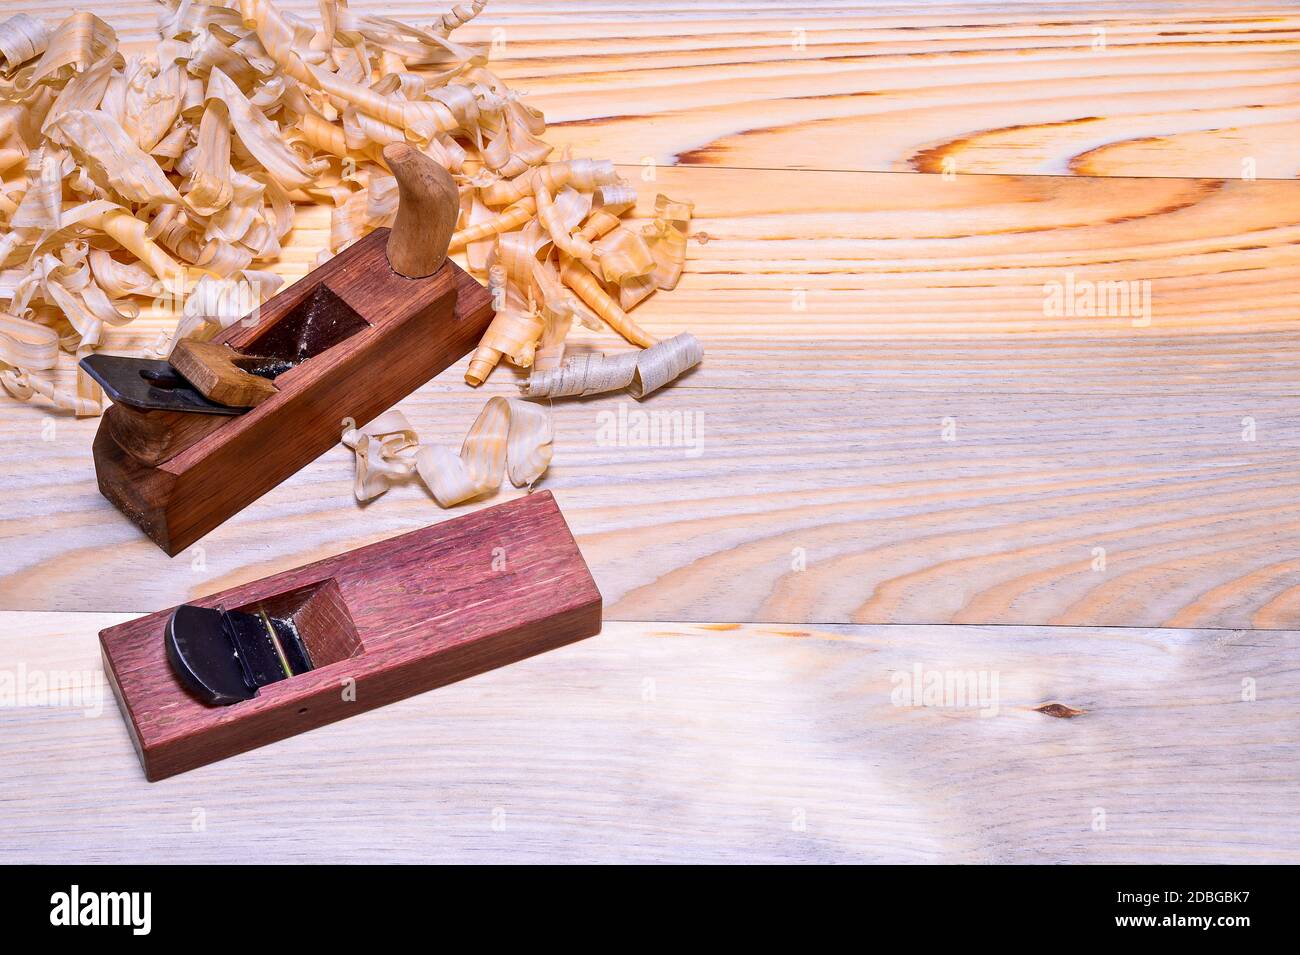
<point x="667" y="240"/>
<point x="21" y="39"/>
<point x="640" y="372"/>
<point x="379" y="446"/>
<point x="509" y="437"/>
<point x="578" y="277"/>
<point x="27" y="344"/>
<point x="111" y="157"/>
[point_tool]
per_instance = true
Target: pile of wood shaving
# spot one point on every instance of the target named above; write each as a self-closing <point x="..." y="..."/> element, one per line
<point x="510" y="437"/>
<point x="129" y="177"/>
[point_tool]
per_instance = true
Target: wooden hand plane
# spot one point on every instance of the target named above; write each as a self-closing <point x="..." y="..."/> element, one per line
<point x="279" y="656"/>
<point x="191" y="441"/>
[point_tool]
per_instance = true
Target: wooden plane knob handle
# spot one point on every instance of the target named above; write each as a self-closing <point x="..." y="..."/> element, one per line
<point x="428" y="205"/>
<point x="215" y="372"/>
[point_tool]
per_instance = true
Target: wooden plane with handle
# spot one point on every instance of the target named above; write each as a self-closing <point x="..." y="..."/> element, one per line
<point x="191" y="441"/>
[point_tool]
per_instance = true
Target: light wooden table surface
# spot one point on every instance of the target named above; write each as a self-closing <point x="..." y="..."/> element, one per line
<point x="903" y="466"/>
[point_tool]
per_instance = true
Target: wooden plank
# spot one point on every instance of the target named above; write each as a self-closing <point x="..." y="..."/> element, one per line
<point x="829" y="256"/>
<point x="890" y="522"/>
<point x="1107" y="88"/>
<point x="712" y="742"/>
<point x="951" y="276"/>
<point x="1171" y="445"/>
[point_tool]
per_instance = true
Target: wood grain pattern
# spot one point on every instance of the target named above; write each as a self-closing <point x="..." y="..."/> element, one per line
<point x="1161" y="88"/>
<point x="1166" y="89"/>
<point x="364" y="337"/>
<point x="823" y="429"/>
<point x="711" y="742"/>
<point x="425" y="609"/>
